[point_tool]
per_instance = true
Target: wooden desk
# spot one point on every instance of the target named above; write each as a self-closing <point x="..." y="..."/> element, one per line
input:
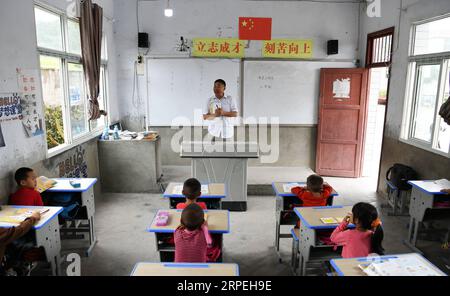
<point x="349" y="267"/>
<point x="283" y="212"/>
<point x="310" y="225"/>
<point x="47" y="232"/>
<point x="216" y="192"/>
<point x="85" y="195"/>
<point x="185" y="269"/>
<point x="423" y="196"/>
<point x="218" y="223"/>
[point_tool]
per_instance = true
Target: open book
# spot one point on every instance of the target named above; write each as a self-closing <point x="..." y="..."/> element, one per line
<point x="410" y="266"/>
<point x="288" y="186"/>
<point x="18" y="215"/>
<point x="44" y="183"/>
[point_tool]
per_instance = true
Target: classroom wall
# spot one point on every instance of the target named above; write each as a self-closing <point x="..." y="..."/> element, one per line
<point x="429" y="165"/>
<point x="215" y="18"/>
<point x="18" y="50"/>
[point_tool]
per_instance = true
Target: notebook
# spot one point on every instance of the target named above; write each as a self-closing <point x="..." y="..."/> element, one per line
<point x="332" y="220"/>
<point x="329" y="220"/>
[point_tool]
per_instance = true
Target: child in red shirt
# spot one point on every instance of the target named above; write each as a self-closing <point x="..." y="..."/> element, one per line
<point x="26" y="195"/>
<point x="192" y="237"/>
<point x="314" y="194"/>
<point x="191" y="190"/>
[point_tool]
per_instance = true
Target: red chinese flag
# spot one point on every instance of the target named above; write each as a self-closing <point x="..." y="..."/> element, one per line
<point x="255" y="28"/>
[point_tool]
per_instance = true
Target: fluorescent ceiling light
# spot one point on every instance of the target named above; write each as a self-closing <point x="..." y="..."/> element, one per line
<point x="168" y="12"/>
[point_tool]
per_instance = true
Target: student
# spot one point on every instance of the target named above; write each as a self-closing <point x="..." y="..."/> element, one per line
<point x="192" y="237"/>
<point x="26" y="195"/>
<point x="366" y="238"/>
<point x="191" y="190"/>
<point x="9" y="235"/>
<point x="315" y="193"/>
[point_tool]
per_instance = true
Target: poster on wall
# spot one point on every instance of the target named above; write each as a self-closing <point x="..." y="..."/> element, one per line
<point x="32" y="119"/>
<point x="2" y="140"/>
<point x="10" y="108"/>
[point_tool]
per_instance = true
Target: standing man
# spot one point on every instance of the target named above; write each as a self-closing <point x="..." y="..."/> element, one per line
<point x="219" y="111"/>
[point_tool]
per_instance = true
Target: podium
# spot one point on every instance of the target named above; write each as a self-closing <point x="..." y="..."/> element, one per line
<point x="222" y="162"/>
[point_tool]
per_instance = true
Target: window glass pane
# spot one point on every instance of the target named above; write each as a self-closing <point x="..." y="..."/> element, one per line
<point x="77" y="99"/>
<point x="432" y="37"/>
<point x="104" y="48"/>
<point x="48" y="29"/>
<point x="100" y="123"/>
<point x="443" y="139"/>
<point x="52" y="90"/>
<point x="425" y="103"/>
<point x="74" y="45"/>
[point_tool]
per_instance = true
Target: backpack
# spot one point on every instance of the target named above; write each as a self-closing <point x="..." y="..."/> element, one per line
<point x="400" y="174"/>
<point x="67" y="202"/>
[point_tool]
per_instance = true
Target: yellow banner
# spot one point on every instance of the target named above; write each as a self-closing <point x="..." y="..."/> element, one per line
<point x="287" y="48"/>
<point x="220" y="47"/>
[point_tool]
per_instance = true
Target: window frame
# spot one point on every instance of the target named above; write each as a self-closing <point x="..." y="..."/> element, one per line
<point x="66" y="58"/>
<point x="389" y="32"/>
<point x="414" y="63"/>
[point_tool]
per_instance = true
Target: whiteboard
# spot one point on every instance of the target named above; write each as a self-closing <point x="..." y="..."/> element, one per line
<point x="179" y="86"/>
<point x="288" y="90"/>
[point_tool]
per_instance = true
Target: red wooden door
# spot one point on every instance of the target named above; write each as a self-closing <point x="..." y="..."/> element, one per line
<point x="342" y="115"/>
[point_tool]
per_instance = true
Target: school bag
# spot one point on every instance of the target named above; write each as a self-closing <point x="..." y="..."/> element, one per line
<point x="67" y="202"/>
<point x="399" y="175"/>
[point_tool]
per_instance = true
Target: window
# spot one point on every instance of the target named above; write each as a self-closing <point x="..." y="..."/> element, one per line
<point x="63" y="84"/>
<point x="379" y="48"/>
<point x="432" y="37"/>
<point x="428" y="87"/>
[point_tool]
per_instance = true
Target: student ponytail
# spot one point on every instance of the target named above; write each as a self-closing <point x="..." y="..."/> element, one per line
<point x="377" y="239"/>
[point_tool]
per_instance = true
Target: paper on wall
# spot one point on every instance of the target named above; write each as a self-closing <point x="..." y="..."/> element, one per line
<point x="29" y="86"/>
<point x="341" y="88"/>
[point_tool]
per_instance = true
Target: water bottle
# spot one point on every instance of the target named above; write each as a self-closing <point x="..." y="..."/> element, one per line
<point x="105" y="135"/>
<point x="116" y="133"/>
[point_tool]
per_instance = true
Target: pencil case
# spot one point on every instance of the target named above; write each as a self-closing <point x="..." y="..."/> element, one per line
<point x="75" y="184"/>
<point x="162" y="219"/>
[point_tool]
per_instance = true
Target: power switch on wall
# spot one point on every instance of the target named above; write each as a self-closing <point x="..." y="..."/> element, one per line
<point x="140" y="69"/>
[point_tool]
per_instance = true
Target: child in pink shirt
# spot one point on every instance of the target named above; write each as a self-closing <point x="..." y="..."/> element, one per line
<point x="366" y="238"/>
<point x="192" y="237"/>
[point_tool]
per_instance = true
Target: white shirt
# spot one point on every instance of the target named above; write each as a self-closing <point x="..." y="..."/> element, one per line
<point x="221" y="126"/>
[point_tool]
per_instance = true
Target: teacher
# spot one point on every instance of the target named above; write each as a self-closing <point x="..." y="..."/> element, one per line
<point x="219" y="111"/>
